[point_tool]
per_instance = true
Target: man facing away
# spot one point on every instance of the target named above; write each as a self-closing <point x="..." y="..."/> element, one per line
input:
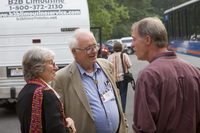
<point x="87" y="88"/>
<point x="167" y="94"/>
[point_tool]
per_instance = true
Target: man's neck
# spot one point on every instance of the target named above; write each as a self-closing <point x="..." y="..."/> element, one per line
<point x="88" y="68"/>
<point x="155" y="52"/>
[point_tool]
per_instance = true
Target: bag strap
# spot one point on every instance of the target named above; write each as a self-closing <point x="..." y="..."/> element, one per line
<point x="132" y="82"/>
<point x="122" y="62"/>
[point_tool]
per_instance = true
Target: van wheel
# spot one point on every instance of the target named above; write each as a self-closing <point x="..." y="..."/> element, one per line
<point x="130" y="51"/>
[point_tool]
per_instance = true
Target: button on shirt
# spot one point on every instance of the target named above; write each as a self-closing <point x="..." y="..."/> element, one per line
<point x="106" y="114"/>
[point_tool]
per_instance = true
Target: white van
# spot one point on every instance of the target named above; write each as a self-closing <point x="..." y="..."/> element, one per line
<point x="126" y="43"/>
<point x="25" y="23"/>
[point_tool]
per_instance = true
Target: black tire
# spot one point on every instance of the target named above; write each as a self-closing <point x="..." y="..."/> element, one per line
<point x="130" y="51"/>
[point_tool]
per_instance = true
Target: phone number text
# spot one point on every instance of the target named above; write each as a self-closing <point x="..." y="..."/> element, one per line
<point x="35" y="7"/>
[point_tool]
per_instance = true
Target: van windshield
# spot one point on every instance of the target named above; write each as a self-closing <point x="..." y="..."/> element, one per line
<point x="127" y="41"/>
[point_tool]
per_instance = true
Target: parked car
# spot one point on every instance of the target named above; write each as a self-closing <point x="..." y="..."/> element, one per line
<point x="112" y="41"/>
<point x="126" y="43"/>
<point x="105" y="52"/>
<point x="109" y="46"/>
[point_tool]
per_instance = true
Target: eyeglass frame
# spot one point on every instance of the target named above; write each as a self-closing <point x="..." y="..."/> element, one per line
<point x="53" y="63"/>
<point x="96" y="47"/>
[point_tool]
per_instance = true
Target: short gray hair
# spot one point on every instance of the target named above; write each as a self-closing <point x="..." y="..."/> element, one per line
<point x="73" y="42"/>
<point x="34" y="61"/>
<point x="153" y="27"/>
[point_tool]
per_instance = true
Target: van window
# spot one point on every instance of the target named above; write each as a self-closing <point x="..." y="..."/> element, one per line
<point x="127" y="41"/>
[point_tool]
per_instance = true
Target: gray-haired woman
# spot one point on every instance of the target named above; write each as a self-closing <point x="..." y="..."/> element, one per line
<point x="38" y="107"/>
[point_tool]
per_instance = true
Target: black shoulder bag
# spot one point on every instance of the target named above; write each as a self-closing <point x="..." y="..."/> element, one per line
<point x="128" y="76"/>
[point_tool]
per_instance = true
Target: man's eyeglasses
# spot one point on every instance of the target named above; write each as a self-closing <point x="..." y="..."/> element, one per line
<point x="89" y="49"/>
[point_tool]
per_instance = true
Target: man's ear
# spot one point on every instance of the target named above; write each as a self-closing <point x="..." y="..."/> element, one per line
<point x="148" y="40"/>
<point x="73" y="51"/>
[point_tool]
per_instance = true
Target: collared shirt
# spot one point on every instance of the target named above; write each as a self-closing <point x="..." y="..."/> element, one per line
<point x="167" y="96"/>
<point x="106" y="114"/>
<point x="116" y="59"/>
<point x="58" y="96"/>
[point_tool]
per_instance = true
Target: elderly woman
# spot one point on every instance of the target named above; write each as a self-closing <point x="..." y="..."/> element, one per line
<point x="39" y="108"/>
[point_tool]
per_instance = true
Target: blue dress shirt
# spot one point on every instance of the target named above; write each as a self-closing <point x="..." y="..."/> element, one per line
<point x="106" y="114"/>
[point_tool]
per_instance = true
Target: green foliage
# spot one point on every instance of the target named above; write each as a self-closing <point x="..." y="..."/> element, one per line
<point x="106" y="14"/>
<point x="115" y="17"/>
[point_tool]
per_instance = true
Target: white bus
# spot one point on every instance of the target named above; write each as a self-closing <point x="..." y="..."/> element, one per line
<point x="25" y="23"/>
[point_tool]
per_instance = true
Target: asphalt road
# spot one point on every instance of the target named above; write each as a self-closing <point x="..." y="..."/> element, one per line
<point x="9" y="122"/>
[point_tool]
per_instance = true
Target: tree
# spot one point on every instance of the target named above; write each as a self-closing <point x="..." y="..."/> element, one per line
<point x="106" y="14"/>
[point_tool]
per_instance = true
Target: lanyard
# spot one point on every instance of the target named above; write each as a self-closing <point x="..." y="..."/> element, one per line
<point x="98" y="90"/>
<point x="106" y="83"/>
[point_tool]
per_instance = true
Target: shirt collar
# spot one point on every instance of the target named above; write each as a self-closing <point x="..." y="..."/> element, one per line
<point x="58" y="96"/>
<point x="164" y="55"/>
<point x="82" y="71"/>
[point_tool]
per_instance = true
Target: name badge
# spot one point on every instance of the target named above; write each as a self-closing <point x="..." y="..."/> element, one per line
<point x="107" y="96"/>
